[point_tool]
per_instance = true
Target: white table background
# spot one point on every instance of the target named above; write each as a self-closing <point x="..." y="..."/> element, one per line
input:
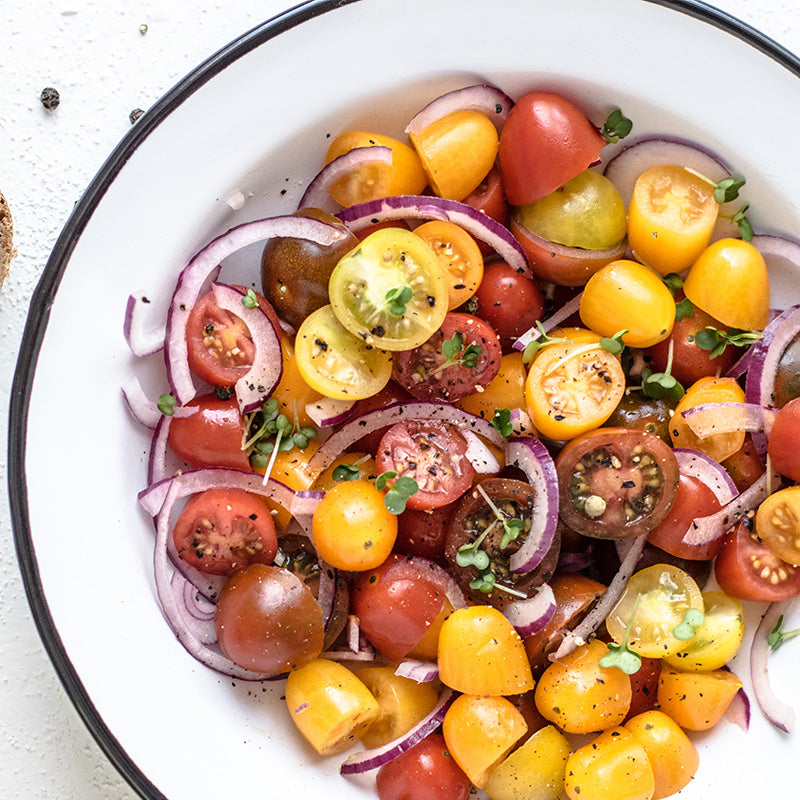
<point x="93" y="52"/>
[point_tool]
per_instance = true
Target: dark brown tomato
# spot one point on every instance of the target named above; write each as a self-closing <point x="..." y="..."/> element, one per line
<point x="616" y="483"/>
<point x="459" y="359"/>
<point x="475" y="527"/>
<point x="643" y="414"/>
<point x="423" y="533"/>
<point x="746" y="465"/>
<point x="787" y="379"/>
<point x="295" y="272"/>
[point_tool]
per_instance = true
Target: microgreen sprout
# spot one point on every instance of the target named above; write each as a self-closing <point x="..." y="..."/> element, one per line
<point x="614" y="344"/>
<point x="687" y="628"/>
<point x="617" y="126"/>
<point x="727" y="189"/>
<point x="250" y="300"/>
<point x="620" y="655"/>
<point x="657" y="385"/>
<point x="742" y="222"/>
<point x="166" y="404"/>
<point x="346" y="472"/>
<point x="776" y="637"/>
<point x="454" y="351"/>
<point x="537" y="344"/>
<point x="501" y="422"/>
<point x="683" y="307"/>
<point x="511" y="527"/>
<point x="398" y="490"/>
<point x="715" y="340"/>
<point x="397" y="298"/>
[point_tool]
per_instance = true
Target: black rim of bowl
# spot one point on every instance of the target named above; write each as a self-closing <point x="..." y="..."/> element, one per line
<point x="45" y="293"/>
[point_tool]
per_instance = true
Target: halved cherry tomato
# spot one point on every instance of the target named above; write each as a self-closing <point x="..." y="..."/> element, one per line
<point x="423" y="533"/>
<point x="616" y="482"/>
<point x="212" y="437"/>
<point x="220" y="530"/>
<point x="644" y="685"/>
<point x="696" y="700"/>
<point x="433" y="454"/>
<point x="671" y="216"/>
<point x="457" y="152"/>
<point x="459" y="256"/>
<point x="546" y="140"/>
<point x="782" y="446"/>
<point x="572" y="388"/>
<point x="490" y="198"/>
<point x="746" y="465"/>
<point x="505" y="390"/>
<point x="460" y="358"/>
<point x="651" y="414"/>
<point x="778" y="523"/>
<point x="390" y="290"/>
<point x="377" y="179"/>
<point x="292" y="392"/>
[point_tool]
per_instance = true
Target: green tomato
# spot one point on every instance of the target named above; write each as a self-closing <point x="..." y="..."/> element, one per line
<point x="586" y="212"/>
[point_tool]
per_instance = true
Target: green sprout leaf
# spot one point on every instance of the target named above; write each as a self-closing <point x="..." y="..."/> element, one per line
<point x="485" y="582"/>
<point x="250" y="300"/>
<point x="715" y="340"/>
<point x="268" y="431"/>
<point x="398" y="490"/>
<point x="776" y="637"/>
<point x="617" y="126"/>
<point x="620" y="655"/>
<point x="537" y="344"/>
<point x="454" y="351"/>
<point x="727" y="189"/>
<point x="166" y="404"/>
<point x="741" y="220"/>
<point x="683" y="308"/>
<point x="501" y="422"/>
<point x="692" y="620"/>
<point x="470" y="555"/>
<point x="346" y="472"/>
<point x="614" y="344"/>
<point x="511" y="530"/>
<point x="397" y="298"/>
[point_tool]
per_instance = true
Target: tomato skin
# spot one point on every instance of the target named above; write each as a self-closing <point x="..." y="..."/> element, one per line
<point x="423" y="533"/>
<point x="778" y="523"/>
<point x="220" y="530"/>
<point x="745" y="466"/>
<point x="212" y="437"/>
<point x="546" y="140"/>
<point x="490" y="198"/>
<point x="644" y="685"/>
<point x="782" y="446"/>
<point x="425" y="772"/>
<point x="391" y="394"/>
<point x="696" y="700"/>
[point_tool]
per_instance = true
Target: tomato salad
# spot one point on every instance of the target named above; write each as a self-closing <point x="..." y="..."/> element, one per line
<point x="492" y="457"/>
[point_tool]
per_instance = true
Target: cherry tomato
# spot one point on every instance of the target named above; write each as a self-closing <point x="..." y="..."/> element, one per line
<point x="616" y="482"/>
<point x="292" y="392"/>
<point x="433" y="454"/>
<point x="396" y="604"/>
<point x="295" y="272"/>
<point x="546" y="140"/>
<point x="696" y="700"/>
<point x="459" y="256"/>
<point x="220" y="530"/>
<point x="510" y="302"/>
<point x="729" y="280"/>
<point x="745" y="466"/>
<point x="625" y="295"/>
<point x="268" y="620"/>
<point x="782" y="446"/>
<point x="489" y="524"/>
<point x="457" y="151"/>
<point x="787" y="378"/>
<point x="363" y="468"/>
<point x="377" y="179"/>
<point x="390" y="290"/>
<point x="671" y="216"/>
<point x="337" y="364"/>
<point x="423" y="533"/>
<point x="505" y="390"/>
<point x="460" y="358"/>
<point x="391" y="394"/>
<point x="572" y="388"/>
<point x="353" y="530"/>
<point x="212" y="437"/>
<point x="694" y="499"/>
<point x="644" y="685"/>
<point x="650" y="414"/>
<point x="778" y="523"/>
<point x="425" y="772"/>
<point x="490" y="198"/>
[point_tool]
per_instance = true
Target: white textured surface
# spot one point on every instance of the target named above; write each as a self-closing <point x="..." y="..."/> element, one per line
<point x="92" y="51"/>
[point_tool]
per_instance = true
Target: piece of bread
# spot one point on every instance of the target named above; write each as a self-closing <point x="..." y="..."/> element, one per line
<point x="7" y="251"/>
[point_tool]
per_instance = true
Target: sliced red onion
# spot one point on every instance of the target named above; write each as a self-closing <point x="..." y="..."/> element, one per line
<point x="357" y="427"/>
<point x="479" y="225"/>
<point x="412" y="566"/>
<point x="378" y="756"/>
<point x="194" y="610"/>
<point x="521" y="424"/>
<point x="592" y="621"/>
<point x="710" y="418"/>
<point x="738" y="711"/>
<point x="482" y="97"/>
<point x="157" y="469"/>
<point x="777" y="247"/>
<point x="708" y="471"/>
<point x="565" y="312"/>
<point x="575" y="562"/>
<point x="353" y="633"/>
<point x="318" y="190"/>
<point x="532" y="457"/>
<point x="480" y="455"/>
<point x="263" y="376"/>
<point x="141" y="340"/>
<point x="531" y="615"/>
<point x="144" y="409"/>
<point x="193" y="278"/>
<point x="781" y="715"/>
<point x="329" y="411"/>
<point x="419" y="671"/>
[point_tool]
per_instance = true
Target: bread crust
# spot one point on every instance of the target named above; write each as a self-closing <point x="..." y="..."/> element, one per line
<point x="7" y="251"/>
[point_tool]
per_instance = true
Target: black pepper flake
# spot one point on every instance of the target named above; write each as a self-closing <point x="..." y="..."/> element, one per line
<point x="431" y="301"/>
<point x="50" y="98"/>
<point x="628" y="484"/>
<point x="378" y="330"/>
<point x="254" y="517"/>
<point x="223" y="392"/>
<point x="135" y="115"/>
<point x="322" y="344"/>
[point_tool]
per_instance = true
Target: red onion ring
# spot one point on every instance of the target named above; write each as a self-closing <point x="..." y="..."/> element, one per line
<point x="710" y="418"/>
<point x="144" y="409"/>
<point x="482" y="97"/>
<point x="738" y="711"/>
<point x="707" y="470"/>
<point x="328" y="411"/>
<point x="772" y="246"/>
<point x="419" y="671"/>
<point x="141" y="340"/>
<point x="478" y="453"/>
<point x="531" y="615"/>
<point x="565" y="312"/>
<point x="157" y="469"/>
<point x="193" y="610"/>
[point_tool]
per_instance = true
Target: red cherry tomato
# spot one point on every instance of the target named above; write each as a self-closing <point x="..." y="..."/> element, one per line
<point x="425" y="772"/>
<point x="433" y="454"/>
<point x="490" y="197"/>
<point x="423" y="533"/>
<point x="644" y="686"/>
<point x="746" y="465"/>
<point x="783" y="439"/>
<point x="396" y="605"/>
<point x="546" y="141"/>
<point x="746" y="568"/>
<point x="463" y="355"/>
<point x="510" y="302"/>
<point x="221" y="530"/>
<point x="212" y="437"/>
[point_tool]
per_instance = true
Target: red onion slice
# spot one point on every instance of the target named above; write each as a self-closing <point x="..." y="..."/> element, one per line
<point x="779" y="714"/>
<point x="777" y="247"/>
<point x="708" y="471"/>
<point x="564" y="313"/>
<point x="378" y="756"/>
<point x="194" y="276"/>
<point x="328" y="411"/>
<point x="142" y="341"/>
<point x="144" y="409"/>
<point x="532" y="457"/>
<point x="157" y="469"/>
<point x="738" y="712"/>
<point x="480" y="455"/>
<point x="710" y="418"/>
<point x="479" y="225"/>
<point x="531" y="615"/>
<point x="419" y="671"/>
<point x="317" y="192"/>
<point x="482" y="97"/>
<point x="194" y="610"/>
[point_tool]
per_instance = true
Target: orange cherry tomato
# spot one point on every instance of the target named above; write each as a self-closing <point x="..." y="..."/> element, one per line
<point x="505" y="390"/>
<point x="778" y="523"/>
<point x="292" y="392"/>
<point x="696" y="700"/>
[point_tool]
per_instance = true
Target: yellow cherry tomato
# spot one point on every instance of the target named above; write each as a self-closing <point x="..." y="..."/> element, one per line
<point x="459" y="256"/>
<point x="481" y="653"/>
<point x="729" y="280"/>
<point x="404" y="175"/>
<point x="572" y="388"/>
<point x="534" y="771"/>
<point x="579" y="695"/>
<point x="718" y="638"/>
<point x="402" y="703"/>
<point x="671" y="216"/>
<point x="457" y="152"/>
<point x="505" y="390"/>
<point x="626" y="295"/>
<point x="671" y="753"/>
<point x="329" y="705"/>
<point x="718" y="446"/>
<point x="347" y="467"/>
<point x="352" y="528"/>
<point x="696" y="700"/>
<point x="614" y="766"/>
<point x="292" y="392"/>
<point x="480" y="731"/>
<point x="778" y="523"/>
